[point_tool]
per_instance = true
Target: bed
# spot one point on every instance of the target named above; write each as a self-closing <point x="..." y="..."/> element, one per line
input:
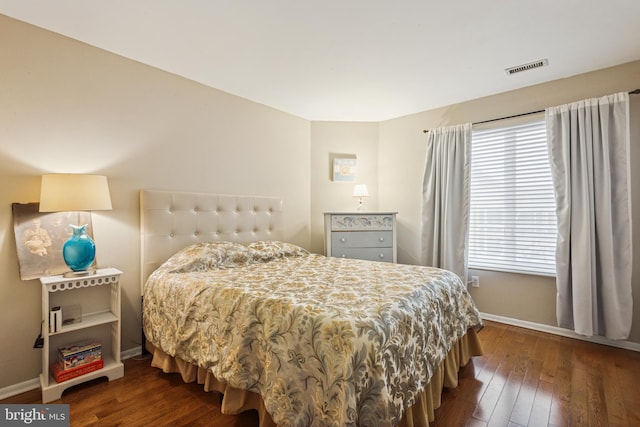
<point x="304" y="339"/>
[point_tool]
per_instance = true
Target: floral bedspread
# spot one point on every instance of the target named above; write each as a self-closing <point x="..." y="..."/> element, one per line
<point x="324" y="341"/>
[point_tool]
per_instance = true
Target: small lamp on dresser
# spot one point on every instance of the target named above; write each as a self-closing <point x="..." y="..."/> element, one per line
<point x="360" y="192"/>
<point x="72" y="193"/>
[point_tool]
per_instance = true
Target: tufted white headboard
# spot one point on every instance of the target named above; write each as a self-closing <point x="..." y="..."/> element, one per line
<point x="170" y="221"/>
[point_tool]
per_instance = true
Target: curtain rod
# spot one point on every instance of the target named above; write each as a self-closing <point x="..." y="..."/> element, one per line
<point x="632" y="92"/>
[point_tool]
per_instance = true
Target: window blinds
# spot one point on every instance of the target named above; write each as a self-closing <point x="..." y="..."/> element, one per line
<point x="513" y="220"/>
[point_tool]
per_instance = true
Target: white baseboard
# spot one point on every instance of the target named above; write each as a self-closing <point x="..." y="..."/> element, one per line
<point x="627" y="345"/>
<point x="132" y="352"/>
<point x="22" y="387"/>
<point x="29" y="385"/>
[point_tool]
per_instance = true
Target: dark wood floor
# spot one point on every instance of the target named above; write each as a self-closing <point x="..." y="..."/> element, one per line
<point x="525" y="378"/>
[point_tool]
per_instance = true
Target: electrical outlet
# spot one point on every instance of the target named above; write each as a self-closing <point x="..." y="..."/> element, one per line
<point x="475" y="281"/>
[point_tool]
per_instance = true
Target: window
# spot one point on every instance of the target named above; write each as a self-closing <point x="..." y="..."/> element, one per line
<point x="513" y="219"/>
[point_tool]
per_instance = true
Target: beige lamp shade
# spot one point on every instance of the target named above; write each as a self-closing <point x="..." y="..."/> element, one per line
<point x="74" y="192"/>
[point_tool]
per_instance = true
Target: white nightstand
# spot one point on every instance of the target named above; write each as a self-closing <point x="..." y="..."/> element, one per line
<point x="362" y="235"/>
<point x="99" y="297"/>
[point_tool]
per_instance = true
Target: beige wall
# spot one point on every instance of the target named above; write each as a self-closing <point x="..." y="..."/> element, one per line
<point x="330" y="138"/>
<point x="402" y="153"/>
<point x="69" y="107"/>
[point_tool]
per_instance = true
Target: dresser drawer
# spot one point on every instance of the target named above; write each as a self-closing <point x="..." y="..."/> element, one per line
<point x="370" y="254"/>
<point x="361" y="239"/>
<point x="350" y="222"/>
<point x="361" y="235"/>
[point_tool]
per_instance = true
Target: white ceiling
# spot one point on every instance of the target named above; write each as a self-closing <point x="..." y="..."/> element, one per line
<point x="352" y="60"/>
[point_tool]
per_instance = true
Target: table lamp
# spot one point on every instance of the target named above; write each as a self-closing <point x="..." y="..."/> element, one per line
<point x="72" y="193"/>
<point x="360" y="192"/>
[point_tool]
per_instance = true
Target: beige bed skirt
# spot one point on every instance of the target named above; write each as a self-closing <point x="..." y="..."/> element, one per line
<point x="235" y="401"/>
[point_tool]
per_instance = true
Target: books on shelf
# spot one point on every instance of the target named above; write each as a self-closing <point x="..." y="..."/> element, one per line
<point x="61" y="375"/>
<point x="55" y="319"/>
<point x="77" y="359"/>
<point x="79" y="354"/>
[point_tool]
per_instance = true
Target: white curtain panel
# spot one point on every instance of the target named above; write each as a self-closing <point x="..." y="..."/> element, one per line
<point x="589" y="156"/>
<point x="445" y="199"/>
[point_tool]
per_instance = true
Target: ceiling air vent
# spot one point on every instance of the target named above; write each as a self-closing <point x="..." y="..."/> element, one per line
<point x="529" y="66"/>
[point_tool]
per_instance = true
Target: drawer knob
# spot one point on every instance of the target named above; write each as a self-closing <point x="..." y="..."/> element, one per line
<point x="381" y="239"/>
<point x="343" y="256"/>
<point x="381" y="256"/>
<point x="342" y="240"/>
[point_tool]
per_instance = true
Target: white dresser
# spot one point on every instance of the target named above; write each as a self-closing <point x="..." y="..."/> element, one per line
<point x="362" y="235"/>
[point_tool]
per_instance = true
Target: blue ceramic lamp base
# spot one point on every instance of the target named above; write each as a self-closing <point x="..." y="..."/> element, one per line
<point x="79" y="252"/>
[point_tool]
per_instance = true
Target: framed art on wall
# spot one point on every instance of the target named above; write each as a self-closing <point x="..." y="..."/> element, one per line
<point x="344" y="169"/>
<point x="41" y="236"/>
